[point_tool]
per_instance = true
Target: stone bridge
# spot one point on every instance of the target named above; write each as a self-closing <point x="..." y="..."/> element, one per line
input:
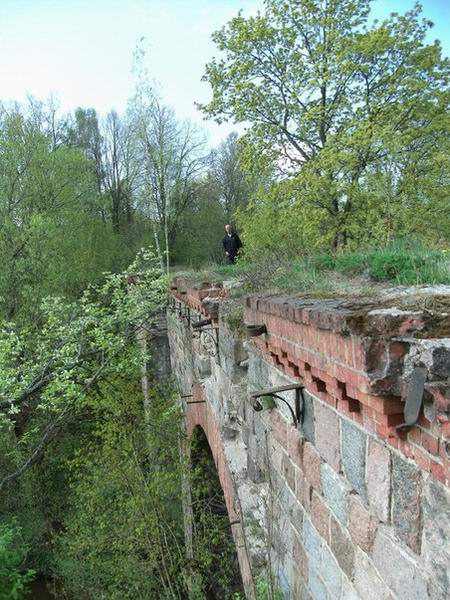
<point x="325" y="483"/>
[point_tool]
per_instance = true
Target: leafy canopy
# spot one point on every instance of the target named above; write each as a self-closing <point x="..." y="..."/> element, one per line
<point x="352" y="112"/>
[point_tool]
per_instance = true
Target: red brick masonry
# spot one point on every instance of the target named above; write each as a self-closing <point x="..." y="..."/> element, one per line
<point x="201" y="415"/>
<point x="351" y="355"/>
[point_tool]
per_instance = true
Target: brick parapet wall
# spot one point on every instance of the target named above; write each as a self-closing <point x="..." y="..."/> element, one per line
<point x="361" y="512"/>
<point x="353" y="358"/>
<point x="344" y="370"/>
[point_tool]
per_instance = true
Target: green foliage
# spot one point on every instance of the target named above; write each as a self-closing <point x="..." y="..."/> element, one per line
<point x="201" y="229"/>
<point x="102" y="509"/>
<point x="350" y="117"/>
<point x="409" y="267"/>
<point x="214" y="548"/>
<point x="13" y="577"/>
<point x="342" y="273"/>
<point x="122" y="533"/>
<point x="399" y="264"/>
<point x="235" y="317"/>
<point x="264" y="591"/>
<point x="53" y="239"/>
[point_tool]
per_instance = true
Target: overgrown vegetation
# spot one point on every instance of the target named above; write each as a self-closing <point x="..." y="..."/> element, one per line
<point x="348" y="125"/>
<point x="340" y="185"/>
<point x="343" y="273"/>
<point x="13" y="576"/>
<point x="90" y="468"/>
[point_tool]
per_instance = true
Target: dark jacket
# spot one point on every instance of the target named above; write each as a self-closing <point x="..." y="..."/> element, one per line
<point x="232" y="244"/>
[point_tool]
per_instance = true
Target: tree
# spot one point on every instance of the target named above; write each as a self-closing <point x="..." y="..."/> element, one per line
<point x="120" y="169"/>
<point x="329" y="96"/>
<point x="80" y="344"/>
<point x="228" y="174"/>
<point x="85" y="134"/>
<point x="12" y="578"/>
<point x="200" y="230"/>
<point x="113" y="519"/>
<point x="43" y="190"/>
<point x="172" y="155"/>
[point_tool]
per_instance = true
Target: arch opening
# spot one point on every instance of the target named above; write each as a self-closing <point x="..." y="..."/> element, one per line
<point x="212" y="530"/>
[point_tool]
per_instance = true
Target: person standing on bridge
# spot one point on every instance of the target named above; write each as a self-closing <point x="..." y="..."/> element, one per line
<point x="231" y="244"/>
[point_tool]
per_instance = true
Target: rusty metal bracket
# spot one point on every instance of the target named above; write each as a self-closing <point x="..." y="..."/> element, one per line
<point x="212" y="335"/>
<point x="296" y="412"/>
<point x="256" y="330"/>
<point x="414" y="399"/>
<point x="186" y="315"/>
<point x="207" y="331"/>
<point x="200" y="324"/>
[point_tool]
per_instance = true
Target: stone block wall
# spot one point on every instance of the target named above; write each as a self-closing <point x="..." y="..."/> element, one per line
<point x="341" y="506"/>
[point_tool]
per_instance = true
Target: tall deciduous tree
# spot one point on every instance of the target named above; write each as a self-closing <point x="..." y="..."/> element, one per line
<point x="120" y="168"/>
<point x="172" y="158"/>
<point x="330" y="97"/>
<point x="43" y="188"/>
<point x="85" y="134"/>
<point x="228" y="174"/>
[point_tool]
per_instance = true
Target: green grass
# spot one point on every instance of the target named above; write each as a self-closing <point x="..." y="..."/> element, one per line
<point x="340" y="273"/>
<point x="395" y="264"/>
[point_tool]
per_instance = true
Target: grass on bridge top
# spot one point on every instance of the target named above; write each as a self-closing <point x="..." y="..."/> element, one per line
<point x="325" y="274"/>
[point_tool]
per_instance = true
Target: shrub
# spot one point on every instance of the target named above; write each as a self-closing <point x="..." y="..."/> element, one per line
<point x="405" y="267"/>
<point x="13" y="577"/>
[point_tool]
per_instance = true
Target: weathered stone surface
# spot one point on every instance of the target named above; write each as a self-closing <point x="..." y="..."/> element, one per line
<point x="341" y="510"/>
<point x="317" y="586"/>
<point x="307" y="426"/>
<point x="259" y="429"/>
<point x="406" y="489"/>
<point x="379" y="480"/>
<point x="246" y="434"/>
<point x="397" y="569"/>
<point x="362" y="524"/>
<point x="258" y="373"/>
<point x="300" y="590"/>
<point x="367" y="581"/>
<point x="436" y="527"/>
<point x="349" y="592"/>
<point x="320" y="515"/>
<point x="281" y="532"/>
<point x="327" y="435"/>
<point x="384" y="362"/>
<point x="291" y="507"/>
<point x="254" y="473"/>
<point x="288" y="471"/>
<point x="330" y="573"/>
<point x="354" y="448"/>
<point x="300" y="557"/>
<point x="438" y="403"/>
<point x="285" y="582"/>
<point x="295" y="443"/>
<point x="335" y="491"/>
<point x="303" y="490"/>
<point x="342" y="548"/>
<point x="202" y="365"/>
<point x="312" y="543"/>
<point x="311" y="465"/>
<point x="441" y="361"/>
<point x="435" y="592"/>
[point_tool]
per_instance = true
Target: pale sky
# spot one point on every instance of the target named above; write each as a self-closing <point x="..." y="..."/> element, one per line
<point x="82" y="50"/>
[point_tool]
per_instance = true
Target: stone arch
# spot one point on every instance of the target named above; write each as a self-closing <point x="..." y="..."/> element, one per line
<point x="201" y="423"/>
<point x="212" y="524"/>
